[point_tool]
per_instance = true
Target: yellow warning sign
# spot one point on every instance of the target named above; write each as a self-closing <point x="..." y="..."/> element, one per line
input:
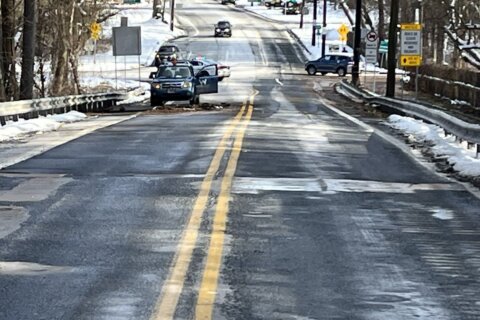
<point x="410" y="61"/>
<point x="411" y="26"/>
<point x="95" y="29"/>
<point x="343" y="30"/>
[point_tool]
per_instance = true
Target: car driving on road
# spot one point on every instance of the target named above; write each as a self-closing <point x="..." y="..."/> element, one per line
<point x="222" y="29"/>
<point x="178" y="81"/>
<point x="330" y="63"/>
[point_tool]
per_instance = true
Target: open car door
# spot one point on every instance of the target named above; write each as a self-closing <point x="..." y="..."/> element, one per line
<point x="207" y="84"/>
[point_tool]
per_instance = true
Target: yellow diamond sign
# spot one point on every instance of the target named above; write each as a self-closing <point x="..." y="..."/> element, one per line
<point x="95" y="29"/>
<point x="343" y="31"/>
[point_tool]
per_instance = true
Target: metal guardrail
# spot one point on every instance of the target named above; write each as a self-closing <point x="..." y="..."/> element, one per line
<point x="28" y="109"/>
<point x="463" y="131"/>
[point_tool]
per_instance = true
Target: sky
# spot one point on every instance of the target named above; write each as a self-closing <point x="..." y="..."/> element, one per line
<point x="96" y="70"/>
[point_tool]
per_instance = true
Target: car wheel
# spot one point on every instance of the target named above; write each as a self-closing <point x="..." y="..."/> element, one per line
<point x="155" y="102"/>
<point x="341" y="72"/>
<point x="311" y="70"/>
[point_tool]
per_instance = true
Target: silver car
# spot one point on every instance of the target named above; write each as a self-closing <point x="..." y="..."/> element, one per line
<point x="200" y="62"/>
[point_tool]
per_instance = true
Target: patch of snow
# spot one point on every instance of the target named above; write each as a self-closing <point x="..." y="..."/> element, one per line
<point x="14" y="130"/>
<point x="463" y="161"/>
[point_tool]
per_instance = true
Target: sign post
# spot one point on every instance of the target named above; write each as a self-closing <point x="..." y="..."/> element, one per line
<point x="371" y="52"/>
<point x="95" y="29"/>
<point x="411" y="47"/>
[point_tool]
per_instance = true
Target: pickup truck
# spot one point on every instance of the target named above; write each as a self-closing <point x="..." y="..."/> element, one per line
<point x="178" y="81"/>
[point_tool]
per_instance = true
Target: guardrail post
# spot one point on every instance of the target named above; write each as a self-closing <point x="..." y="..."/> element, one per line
<point x="3" y="121"/>
<point x="477" y="151"/>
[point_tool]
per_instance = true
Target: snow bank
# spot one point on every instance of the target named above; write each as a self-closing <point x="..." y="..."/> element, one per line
<point x="16" y="129"/>
<point x="464" y="161"/>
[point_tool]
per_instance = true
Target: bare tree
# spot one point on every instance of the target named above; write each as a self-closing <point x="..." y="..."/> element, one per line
<point x="8" y="46"/>
<point x="463" y="32"/>
<point x="28" y="50"/>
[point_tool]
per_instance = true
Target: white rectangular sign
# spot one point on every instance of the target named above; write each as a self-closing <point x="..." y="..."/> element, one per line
<point x="411" y="40"/>
<point x="371" y="51"/>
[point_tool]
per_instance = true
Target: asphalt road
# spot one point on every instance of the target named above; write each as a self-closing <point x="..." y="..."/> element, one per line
<point x="278" y="207"/>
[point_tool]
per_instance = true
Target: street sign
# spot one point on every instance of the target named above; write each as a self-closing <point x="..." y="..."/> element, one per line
<point x="410" y="44"/>
<point x="371" y="36"/>
<point x="95" y="29"/>
<point x="343" y="31"/>
<point x="383" y="46"/>
<point x="371" y="47"/>
<point x="410" y="61"/>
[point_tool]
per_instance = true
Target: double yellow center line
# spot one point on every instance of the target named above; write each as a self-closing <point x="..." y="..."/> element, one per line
<point x="167" y="303"/>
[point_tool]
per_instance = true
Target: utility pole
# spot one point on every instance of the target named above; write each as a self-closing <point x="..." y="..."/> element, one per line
<point x="324" y="35"/>
<point x="356" y="44"/>
<point x="28" y="52"/>
<point x="392" y="48"/>
<point x="172" y="13"/>
<point x="301" y="14"/>
<point x="314" y="25"/>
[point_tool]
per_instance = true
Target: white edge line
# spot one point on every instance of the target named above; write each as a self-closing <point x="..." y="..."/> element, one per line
<point x="405" y="149"/>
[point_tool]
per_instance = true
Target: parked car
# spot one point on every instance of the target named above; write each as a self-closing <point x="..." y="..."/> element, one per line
<point x="273" y="3"/>
<point x="166" y="53"/>
<point x="228" y="1"/>
<point x="206" y="64"/>
<point x="292" y="7"/>
<point x="330" y="63"/>
<point x="223" y="28"/>
<point x="177" y="81"/>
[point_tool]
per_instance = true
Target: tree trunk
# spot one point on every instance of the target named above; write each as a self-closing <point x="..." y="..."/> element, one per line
<point x="28" y="52"/>
<point x="60" y="74"/>
<point x="2" y="73"/>
<point x="381" y="19"/>
<point x="8" y="52"/>
<point x="440" y="41"/>
<point x="156" y="8"/>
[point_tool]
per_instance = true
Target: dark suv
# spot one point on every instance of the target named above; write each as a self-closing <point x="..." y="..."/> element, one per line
<point x="177" y="81"/>
<point x="228" y="1"/>
<point x="330" y="63"/>
<point x="222" y="29"/>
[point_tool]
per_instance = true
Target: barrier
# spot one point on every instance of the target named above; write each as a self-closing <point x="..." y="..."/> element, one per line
<point x="27" y="109"/>
<point x="462" y="130"/>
